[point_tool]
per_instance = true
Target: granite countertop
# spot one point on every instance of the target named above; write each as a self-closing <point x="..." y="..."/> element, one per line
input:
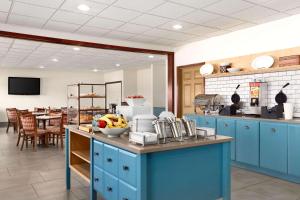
<point x="281" y="120"/>
<point x="123" y="142"/>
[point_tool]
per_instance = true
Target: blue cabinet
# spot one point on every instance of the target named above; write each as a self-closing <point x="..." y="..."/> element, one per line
<point x="98" y="179"/>
<point x="203" y="121"/>
<point x="227" y="127"/>
<point x="273" y="146"/>
<point x="126" y="192"/>
<point x="294" y="150"/>
<point x="127" y="167"/>
<point x="98" y="153"/>
<point x="247" y="142"/>
<point x="110" y="187"/>
<point x="110" y="159"/>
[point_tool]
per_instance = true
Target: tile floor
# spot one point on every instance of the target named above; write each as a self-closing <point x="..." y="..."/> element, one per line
<point x="40" y="175"/>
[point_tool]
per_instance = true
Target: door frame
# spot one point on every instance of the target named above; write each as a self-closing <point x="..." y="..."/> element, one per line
<point x="169" y="54"/>
<point x="179" y="84"/>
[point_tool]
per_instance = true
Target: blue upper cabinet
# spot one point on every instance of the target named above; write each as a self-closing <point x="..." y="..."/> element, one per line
<point x="294" y="150"/>
<point x="273" y="146"/>
<point x="247" y="142"/>
<point x="227" y="127"/>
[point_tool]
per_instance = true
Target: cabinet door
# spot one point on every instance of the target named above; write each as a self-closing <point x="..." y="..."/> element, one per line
<point x="110" y="187"/>
<point x="204" y="121"/>
<point x="127" y="167"/>
<point x="273" y="146"/>
<point x="98" y="154"/>
<point x="294" y="150"/>
<point x="110" y="159"/>
<point x="126" y="192"/>
<point x="247" y="142"/>
<point x="227" y="127"/>
<point x="98" y="180"/>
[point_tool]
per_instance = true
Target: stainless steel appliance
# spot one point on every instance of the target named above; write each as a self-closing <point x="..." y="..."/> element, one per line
<point x="258" y="97"/>
<point x="207" y="103"/>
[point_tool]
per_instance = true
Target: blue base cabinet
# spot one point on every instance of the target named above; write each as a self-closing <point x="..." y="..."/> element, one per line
<point x="247" y="142"/>
<point x="227" y="127"/>
<point x="194" y="173"/>
<point x="294" y="150"/>
<point x="273" y="146"/>
<point x="203" y="121"/>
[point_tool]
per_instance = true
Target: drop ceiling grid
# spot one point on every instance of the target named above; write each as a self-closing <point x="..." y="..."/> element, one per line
<point x="62" y="15"/>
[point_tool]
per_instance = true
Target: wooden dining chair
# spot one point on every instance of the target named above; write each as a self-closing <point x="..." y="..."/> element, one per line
<point x="37" y="109"/>
<point x="19" y="124"/>
<point x="58" y="131"/>
<point x="31" y="131"/>
<point x="11" y="118"/>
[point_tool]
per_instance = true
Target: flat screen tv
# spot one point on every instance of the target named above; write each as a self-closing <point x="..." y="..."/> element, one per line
<point x="23" y="86"/>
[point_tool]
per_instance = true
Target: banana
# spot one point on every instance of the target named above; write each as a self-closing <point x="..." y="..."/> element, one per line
<point x="108" y="121"/>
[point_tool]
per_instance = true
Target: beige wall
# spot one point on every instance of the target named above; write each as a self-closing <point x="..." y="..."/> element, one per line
<point x="53" y="88"/>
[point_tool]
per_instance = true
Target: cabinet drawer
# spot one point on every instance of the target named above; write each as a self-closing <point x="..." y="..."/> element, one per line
<point x="247" y="142"/>
<point x="127" y="167"/>
<point x="110" y="159"/>
<point x="110" y="187"/>
<point x="227" y="127"/>
<point x="98" y="180"/>
<point x="98" y="154"/>
<point x="126" y="192"/>
<point x="294" y="150"/>
<point x="273" y="146"/>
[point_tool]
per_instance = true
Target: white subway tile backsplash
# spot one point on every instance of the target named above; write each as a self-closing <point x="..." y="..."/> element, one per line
<point x="225" y="86"/>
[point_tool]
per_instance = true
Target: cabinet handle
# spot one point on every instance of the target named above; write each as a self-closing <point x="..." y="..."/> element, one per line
<point x="125" y="168"/>
<point x="247" y="127"/>
<point x="97" y="154"/>
<point x="226" y="125"/>
<point x="124" y="198"/>
<point x="109" y="160"/>
<point x="96" y="179"/>
<point x="206" y="122"/>
<point x="109" y="189"/>
<point x="273" y="130"/>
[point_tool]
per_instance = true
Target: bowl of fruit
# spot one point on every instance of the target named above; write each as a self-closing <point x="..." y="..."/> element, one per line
<point x="137" y="100"/>
<point x="112" y="125"/>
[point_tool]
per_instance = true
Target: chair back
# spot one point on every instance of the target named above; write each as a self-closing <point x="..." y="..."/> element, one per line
<point x="11" y="114"/>
<point x="55" y="122"/>
<point x="19" y="113"/>
<point x="64" y="119"/>
<point x="28" y="122"/>
<point x="37" y="109"/>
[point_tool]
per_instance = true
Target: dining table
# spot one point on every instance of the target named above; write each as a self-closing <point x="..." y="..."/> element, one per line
<point x="45" y="118"/>
<point x="39" y="113"/>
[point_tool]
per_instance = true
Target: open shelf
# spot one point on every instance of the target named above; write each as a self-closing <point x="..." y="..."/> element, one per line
<point x="87" y="97"/>
<point x="83" y="170"/>
<point x="84" y="155"/>
<point x="258" y="71"/>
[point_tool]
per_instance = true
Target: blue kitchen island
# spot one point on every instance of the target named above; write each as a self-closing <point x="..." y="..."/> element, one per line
<point x="119" y="170"/>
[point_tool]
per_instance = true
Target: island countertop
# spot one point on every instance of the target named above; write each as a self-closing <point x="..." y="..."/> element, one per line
<point x="123" y="142"/>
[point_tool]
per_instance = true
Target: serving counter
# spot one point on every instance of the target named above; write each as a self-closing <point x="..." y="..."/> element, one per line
<point x="119" y="170"/>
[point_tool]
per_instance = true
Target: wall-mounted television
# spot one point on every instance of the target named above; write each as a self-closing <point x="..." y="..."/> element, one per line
<point x="23" y="86"/>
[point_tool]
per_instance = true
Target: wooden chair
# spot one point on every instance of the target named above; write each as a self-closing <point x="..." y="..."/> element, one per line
<point x="58" y="131"/>
<point x="12" y="118"/>
<point x="30" y="131"/>
<point x="19" y="124"/>
<point x="37" y="109"/>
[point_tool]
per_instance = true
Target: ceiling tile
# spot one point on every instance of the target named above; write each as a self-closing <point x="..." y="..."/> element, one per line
<point x="61" y="26"/>
<point x="281" y="5"/>
<point x="51" y="4"/>
<point x="200" y="30"/>
<point x="169" y="26"/>
<point x="199" y="17"/>
<point x="133" y="28"/>
<point x="5" y="5"/>
<point x="223" y="23"/>
<point x="120" y="14"/>
<point x="254" y="13"/>
<point x="269" y="18"/>
<point x="93" y="31"/>
<point x="150" y="20"/>
<point x="95" y="8"/>
<point x="105" y="1"/>
<point x="3" y="16"/>
<point x="6" y="40"/>
<point x="119" y="35"/>
<point x="142" y="38"/>
<point x="293" y="11"/>
<point x="165" y="42"/>
<point x="69" y="17"/>
<point x="157" y="32"/>
<point x="196" y="3"/>
<point x="104" y="23"/>
<point x="32" y="10"/>
<point x="171" y="10"/>
<point x="217" y="33"/>
<point x="139" y="5"/>
<point x="241" y="26"/>
<point x="226" y="7"/>
<point x="179" y="36"/>
<point x="26" y="21"/>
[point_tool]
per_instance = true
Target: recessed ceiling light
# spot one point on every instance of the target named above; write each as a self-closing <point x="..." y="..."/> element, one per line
<point x="83" y="7"/>
<point x="177" y="26"/>
<point x="118" y="65"/>
<point x="151" y="56"/>
<point x="95" y="70"/>
<point x="76" y="48"/>
<point x="42" y="67"/>
<point x="54" y="59"/>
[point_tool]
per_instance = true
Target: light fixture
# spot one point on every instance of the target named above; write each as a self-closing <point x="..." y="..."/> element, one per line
<point x="76" y="48"/>
<point x="83" y="7"/>
<point x="42" y="67"/>
<point x="118" y="65"/>
<point x="95" y="70"/>
<point x="151" y="56"/>
<point x="177" y="26"/>
<point x="54" y="59"/>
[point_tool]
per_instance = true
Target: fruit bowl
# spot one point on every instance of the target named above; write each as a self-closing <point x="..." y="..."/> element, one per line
<point x="135" y="101"/>
<point x="113" y="132"/>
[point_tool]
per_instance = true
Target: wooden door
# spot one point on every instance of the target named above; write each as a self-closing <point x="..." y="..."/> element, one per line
<point x="191" y="83"/>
